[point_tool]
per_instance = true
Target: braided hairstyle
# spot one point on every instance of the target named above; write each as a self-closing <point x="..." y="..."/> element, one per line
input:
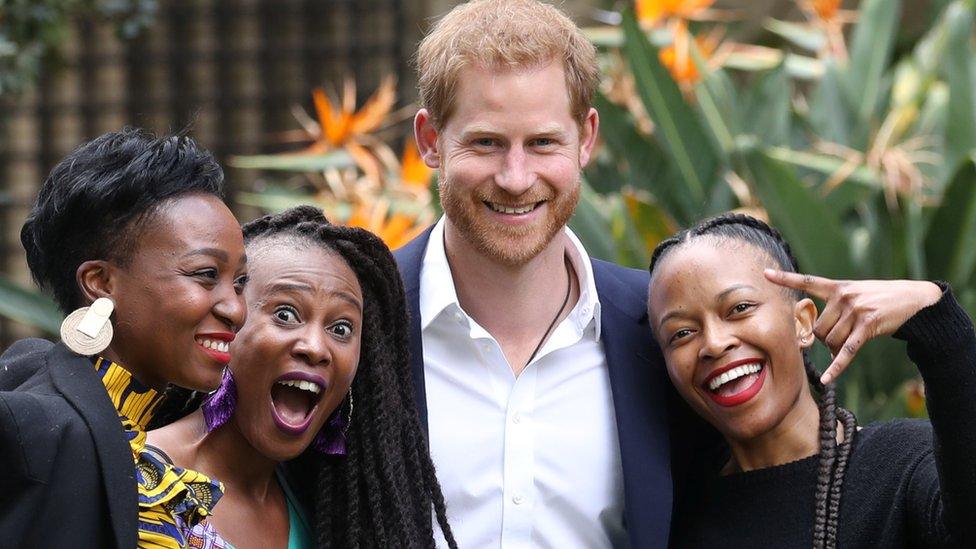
<point x="382" y="493"/>
<point x="832" y="457"/>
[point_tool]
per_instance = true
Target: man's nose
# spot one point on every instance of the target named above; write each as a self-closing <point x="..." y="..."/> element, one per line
<point x="515" y="177"/>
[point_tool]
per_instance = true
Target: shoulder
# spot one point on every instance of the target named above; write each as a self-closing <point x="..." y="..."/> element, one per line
<point x="23" y="361"/>
<point x="620" y="278"/>
<point x="898" y="444"/>
<point x="906" y="432"/>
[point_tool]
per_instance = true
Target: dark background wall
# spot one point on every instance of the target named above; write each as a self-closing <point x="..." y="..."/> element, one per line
<point x="232" y="69"/>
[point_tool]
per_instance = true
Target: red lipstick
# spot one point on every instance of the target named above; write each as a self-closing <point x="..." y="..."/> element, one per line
<point x="223" y="357"/>
<point x="742" y="396"/>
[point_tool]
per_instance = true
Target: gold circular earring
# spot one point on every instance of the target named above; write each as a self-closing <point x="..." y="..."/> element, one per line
<point x="88" y="330"/>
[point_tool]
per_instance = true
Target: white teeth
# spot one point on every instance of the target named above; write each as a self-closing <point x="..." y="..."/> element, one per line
<point x="221" y="346"/>
<point x="303" y="385"/>
<point x="511" y="210"/>
<point x="733" y="374"/>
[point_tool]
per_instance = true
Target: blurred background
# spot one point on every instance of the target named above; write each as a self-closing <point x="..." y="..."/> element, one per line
<point x="850" y="125"/>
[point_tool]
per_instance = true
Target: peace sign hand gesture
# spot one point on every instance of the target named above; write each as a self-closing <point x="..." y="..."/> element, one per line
<point x="856" y="311"/>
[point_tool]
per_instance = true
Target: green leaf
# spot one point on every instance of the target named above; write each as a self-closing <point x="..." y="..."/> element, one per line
<point x="648" y="166"/>
<point x="807" y="37"/>
<point x="767" y="110"/>
<point x="830" y="112"/>
<point x="950" y="242"/>
<point x="858" y="186"/>
<point x="677" y="125"/>
<point x="871" y="48"/>
<point x="294" y="162"/>
<point x="961" y="122"/>
<point x="591" y="226"/>
<point x="31" y="308"/>
<point x="813" y="231"/>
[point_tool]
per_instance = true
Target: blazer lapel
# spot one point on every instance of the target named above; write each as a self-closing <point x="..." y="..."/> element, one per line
<point x="409" y="260"/>
<point x="639" y="400"/>
<point x="77" y="380"/>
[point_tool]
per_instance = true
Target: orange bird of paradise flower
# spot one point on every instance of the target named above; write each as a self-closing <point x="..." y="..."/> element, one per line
<point x="652" y="12"/>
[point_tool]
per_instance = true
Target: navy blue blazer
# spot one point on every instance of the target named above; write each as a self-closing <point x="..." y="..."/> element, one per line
<point x="638" y="381"/>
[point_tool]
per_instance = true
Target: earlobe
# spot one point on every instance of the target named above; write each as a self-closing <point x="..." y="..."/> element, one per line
<point x="805" y="315"/>
<point x="95" y="279"/>
<point x="426" y="136"/>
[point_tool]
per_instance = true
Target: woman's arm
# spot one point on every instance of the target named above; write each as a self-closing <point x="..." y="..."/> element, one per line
<point x="942" y="492"/>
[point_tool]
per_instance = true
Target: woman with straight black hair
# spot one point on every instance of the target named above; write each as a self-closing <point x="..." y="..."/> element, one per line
<point x="729" y="309"/>
<point x="319" y="377"/>
<point x="130" y="235"/>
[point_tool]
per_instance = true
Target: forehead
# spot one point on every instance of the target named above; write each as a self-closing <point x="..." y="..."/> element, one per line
<point x="291" y="260"/>
<point x="522" y="95"/>
<point x="703" y="267"/>
<point x="186" y="223"/>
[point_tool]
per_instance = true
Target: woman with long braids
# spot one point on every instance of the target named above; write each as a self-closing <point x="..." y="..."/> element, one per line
<point x="319" y="376"/>
<point x="727" y="305"/>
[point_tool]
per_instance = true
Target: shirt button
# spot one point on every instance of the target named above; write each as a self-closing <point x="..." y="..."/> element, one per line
<point x="486" y="347"/>
<point x="459" y="317"/>
<point x="518" y="500"/>
<point x="517" y="418"/>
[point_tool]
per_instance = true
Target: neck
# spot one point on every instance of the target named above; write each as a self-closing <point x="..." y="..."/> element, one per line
<point x="532" y="293"/>
<point x="226" y="455"/>
<point x="140" y="374"/>
<point x="795" y="437"/>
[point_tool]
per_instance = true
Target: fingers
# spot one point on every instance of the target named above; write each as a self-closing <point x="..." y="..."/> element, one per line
<point x="844" y="357"/>
<point x="837" y="333"/>
<point x="817" y="286"/>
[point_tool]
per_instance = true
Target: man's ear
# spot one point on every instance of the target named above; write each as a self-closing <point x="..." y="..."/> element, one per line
<point x="588" y="134"/>
<point x="95" y="279"/>
<point x="805" y="315"/>
<point x="426" y="135"/>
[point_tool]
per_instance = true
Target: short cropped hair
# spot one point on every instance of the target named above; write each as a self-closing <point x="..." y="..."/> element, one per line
<point x="503" y="34"/>
<point x="95" y="201"/>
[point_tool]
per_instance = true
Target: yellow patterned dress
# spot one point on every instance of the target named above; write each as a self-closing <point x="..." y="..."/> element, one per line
<point x="165" y="491"/>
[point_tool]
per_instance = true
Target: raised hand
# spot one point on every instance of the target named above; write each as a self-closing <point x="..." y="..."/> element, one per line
<point x="856" y="311"/>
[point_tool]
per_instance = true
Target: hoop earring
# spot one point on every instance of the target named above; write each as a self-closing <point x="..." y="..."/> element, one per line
<point x="331" y="438"/>
<point x="88" y="330"/>
<point x="220" y="405"/>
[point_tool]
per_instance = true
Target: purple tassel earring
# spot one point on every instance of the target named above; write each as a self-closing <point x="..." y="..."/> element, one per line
<point x="220" y="405"/>
<point x="331" y="439"/>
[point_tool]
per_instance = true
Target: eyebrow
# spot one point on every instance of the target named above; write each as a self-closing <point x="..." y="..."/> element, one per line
<point x="212" y="252"/>
<point x="718" y="297"/>
<point x="732" y="289"/>
<point x="549" y="129"/>
<point x="297" y="287"/>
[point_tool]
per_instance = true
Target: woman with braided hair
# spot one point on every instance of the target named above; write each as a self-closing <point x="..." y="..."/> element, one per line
<point x="729" y="309"/>
<point x="320" y="379"/>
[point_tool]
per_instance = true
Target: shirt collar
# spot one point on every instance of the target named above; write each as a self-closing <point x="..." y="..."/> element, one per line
<point x="438" y="293"/>
<point x="132" y="400"/>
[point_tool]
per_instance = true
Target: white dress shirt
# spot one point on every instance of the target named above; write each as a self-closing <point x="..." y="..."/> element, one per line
<point x="527" y="461"/>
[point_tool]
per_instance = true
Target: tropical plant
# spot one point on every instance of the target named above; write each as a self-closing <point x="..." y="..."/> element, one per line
<point x="863" y="158"/>
<point x="348" y="170"/>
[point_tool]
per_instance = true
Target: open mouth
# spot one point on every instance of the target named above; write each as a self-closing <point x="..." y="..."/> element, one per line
<point x="512" y="210"/>
<point x="294" y="398"/>
<point x="736" y="383"/>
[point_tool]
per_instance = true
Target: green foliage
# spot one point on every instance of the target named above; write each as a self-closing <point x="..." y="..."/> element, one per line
<point x="32" y="30"/>
<point x="866" y="162"/>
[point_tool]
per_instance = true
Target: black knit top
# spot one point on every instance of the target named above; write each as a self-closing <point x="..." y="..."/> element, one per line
<point x="909" y="483"/>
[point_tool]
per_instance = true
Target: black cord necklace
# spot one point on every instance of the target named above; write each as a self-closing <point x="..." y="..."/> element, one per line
<point x="569" y="291"/>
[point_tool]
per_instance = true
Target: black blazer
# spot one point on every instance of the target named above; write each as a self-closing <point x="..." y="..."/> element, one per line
<point x="67" y="478"/>
<point x="638" y="382"/>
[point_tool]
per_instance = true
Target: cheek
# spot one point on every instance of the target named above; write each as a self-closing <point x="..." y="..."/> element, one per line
<point x="682" y="372"/>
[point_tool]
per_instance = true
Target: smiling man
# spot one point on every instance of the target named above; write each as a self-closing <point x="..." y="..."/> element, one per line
<point x="544" y="399"/>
